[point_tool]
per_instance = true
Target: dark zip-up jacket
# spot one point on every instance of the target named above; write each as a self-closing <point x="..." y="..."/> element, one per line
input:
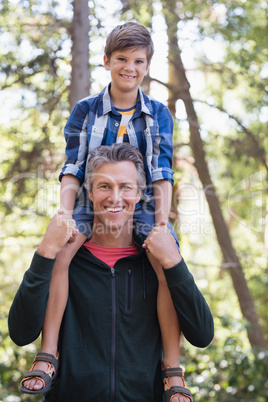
<point x="110" y="344"/>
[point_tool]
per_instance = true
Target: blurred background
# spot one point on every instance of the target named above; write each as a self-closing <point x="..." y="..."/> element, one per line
<point x="210" y="67"/>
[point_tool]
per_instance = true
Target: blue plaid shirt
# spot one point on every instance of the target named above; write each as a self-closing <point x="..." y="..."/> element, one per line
<point x="94" y="121"/>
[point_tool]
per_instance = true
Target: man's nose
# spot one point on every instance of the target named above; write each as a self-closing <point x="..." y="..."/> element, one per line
<point x="115" y="194"/>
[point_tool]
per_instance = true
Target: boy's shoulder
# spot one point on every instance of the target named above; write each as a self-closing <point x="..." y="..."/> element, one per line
<point x="154" y="106"/>
<point x="91" y="102"/>
<point x="92" y="98"/>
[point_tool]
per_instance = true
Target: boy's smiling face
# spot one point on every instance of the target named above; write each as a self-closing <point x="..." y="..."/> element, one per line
<point x="128" y="68"/>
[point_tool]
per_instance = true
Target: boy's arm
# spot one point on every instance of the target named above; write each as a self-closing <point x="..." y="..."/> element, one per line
<point x="162" y="157"/>
<point x="162" y="191"/>
<point x="68" y="193"/>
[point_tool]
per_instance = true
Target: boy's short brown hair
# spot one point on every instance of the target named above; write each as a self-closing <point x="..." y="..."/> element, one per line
<point x="129" y="35"/>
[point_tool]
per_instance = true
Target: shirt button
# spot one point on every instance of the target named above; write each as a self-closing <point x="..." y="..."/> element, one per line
<point x="116" y="124"/>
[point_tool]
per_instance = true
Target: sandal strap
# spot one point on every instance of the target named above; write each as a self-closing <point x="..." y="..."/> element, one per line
<point x="172" y="391"/>
<point x="43" y="375"/>
<point x="37" y="373"/>
<point x="47" y="358"/>
<point x="172" y="372"/>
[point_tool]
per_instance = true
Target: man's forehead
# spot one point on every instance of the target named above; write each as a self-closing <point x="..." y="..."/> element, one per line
<point x="123" y="172"/>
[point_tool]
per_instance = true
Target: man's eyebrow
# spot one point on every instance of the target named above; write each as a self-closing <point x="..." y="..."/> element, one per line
<point x="104" y="182"/>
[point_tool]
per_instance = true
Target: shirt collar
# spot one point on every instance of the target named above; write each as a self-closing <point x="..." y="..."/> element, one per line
<point x="143" y="103"/>
<point x="106" y="105"/>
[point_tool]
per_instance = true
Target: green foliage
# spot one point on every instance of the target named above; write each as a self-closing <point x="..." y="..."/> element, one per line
<point x="236" y="377"/>
<point x="35" y="75"/>
<point x="227" y="371"/>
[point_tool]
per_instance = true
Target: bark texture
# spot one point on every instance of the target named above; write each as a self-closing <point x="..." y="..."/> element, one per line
<point x="80" y="78"/>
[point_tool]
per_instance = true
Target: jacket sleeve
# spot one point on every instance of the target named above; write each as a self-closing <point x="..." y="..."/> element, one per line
<point x="194" y="315"/>
<point x="27" y="312"/>
<point x="75" y="133"/>
<point x="163" y="148"/>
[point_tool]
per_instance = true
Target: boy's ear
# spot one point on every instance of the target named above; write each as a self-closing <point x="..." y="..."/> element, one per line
<point x="106" y="62"/>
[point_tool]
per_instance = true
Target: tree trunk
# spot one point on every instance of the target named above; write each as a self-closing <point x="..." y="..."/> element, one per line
<point x="232" y="263"/>
<point x="80" y="78"/>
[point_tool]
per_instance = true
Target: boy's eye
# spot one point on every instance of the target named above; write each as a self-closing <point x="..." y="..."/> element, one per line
<point x="121" y="59"/>
<point x="139" y="61"/>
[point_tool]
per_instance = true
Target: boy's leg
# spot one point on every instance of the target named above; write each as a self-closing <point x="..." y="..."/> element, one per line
<point x="170" y="328"/>
<point x="167" y="316"/>
<point x="58" y="295"/>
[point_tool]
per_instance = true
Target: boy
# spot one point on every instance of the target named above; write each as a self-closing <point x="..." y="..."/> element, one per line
<point x="120" y="113"/>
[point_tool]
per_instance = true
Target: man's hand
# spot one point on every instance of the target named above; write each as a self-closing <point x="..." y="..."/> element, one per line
<point x="61" y="229"/>
<point x="162" y="245"/>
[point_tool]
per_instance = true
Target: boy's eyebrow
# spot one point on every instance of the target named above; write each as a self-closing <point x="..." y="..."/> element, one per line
<point x="137" y="58"/>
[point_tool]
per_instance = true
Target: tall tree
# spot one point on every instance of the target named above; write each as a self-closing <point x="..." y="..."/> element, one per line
<point x="80" y="79"/>
<point x="232" y="262"/>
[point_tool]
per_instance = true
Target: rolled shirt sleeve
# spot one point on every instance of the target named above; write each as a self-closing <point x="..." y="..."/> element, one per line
<point x="76" y="150"/>
<point x="163" y="148"/>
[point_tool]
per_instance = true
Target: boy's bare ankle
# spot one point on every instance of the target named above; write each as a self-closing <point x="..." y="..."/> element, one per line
<point x="171" y="363"/>
<point x="48" y="349"/>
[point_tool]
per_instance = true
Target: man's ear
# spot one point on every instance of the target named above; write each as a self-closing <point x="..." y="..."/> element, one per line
<point x="106" y="63"/>
<point x="138" y="197"/>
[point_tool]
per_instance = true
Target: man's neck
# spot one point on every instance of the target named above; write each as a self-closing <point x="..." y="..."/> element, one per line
<point x="113" y="238"/>
<point x="123" y="100"/>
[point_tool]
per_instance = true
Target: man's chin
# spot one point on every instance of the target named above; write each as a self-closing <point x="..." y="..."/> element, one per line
<point x="112" y="228"/>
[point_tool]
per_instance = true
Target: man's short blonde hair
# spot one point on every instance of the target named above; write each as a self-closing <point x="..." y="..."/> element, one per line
<point x="112" y="154"/>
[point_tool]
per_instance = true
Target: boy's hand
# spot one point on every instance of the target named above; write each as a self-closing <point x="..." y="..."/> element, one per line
<point x="61" y="229"/>
<point x="73" y="236"/>
<point x="162" y="245"/>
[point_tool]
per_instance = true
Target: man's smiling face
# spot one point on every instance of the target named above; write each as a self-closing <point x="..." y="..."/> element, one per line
<point x="114" y="196"/>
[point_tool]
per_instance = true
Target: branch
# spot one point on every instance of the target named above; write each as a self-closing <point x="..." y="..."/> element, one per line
<point x="248" y="132"/>
<point x="176" y="90"/>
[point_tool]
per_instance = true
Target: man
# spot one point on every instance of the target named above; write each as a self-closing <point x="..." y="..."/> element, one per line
<point x="110" y="342"/>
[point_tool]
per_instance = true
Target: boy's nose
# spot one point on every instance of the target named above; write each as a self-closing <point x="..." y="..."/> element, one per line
<point x="129" y="66"/>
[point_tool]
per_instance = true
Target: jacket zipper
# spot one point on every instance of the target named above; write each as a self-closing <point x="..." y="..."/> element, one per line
<point x="113" y="336"/>
<point x="129" y="291"/>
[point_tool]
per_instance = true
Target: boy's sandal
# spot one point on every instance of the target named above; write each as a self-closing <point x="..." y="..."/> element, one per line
<point x="47" y="377"/>
<point x="171" y="391"/>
